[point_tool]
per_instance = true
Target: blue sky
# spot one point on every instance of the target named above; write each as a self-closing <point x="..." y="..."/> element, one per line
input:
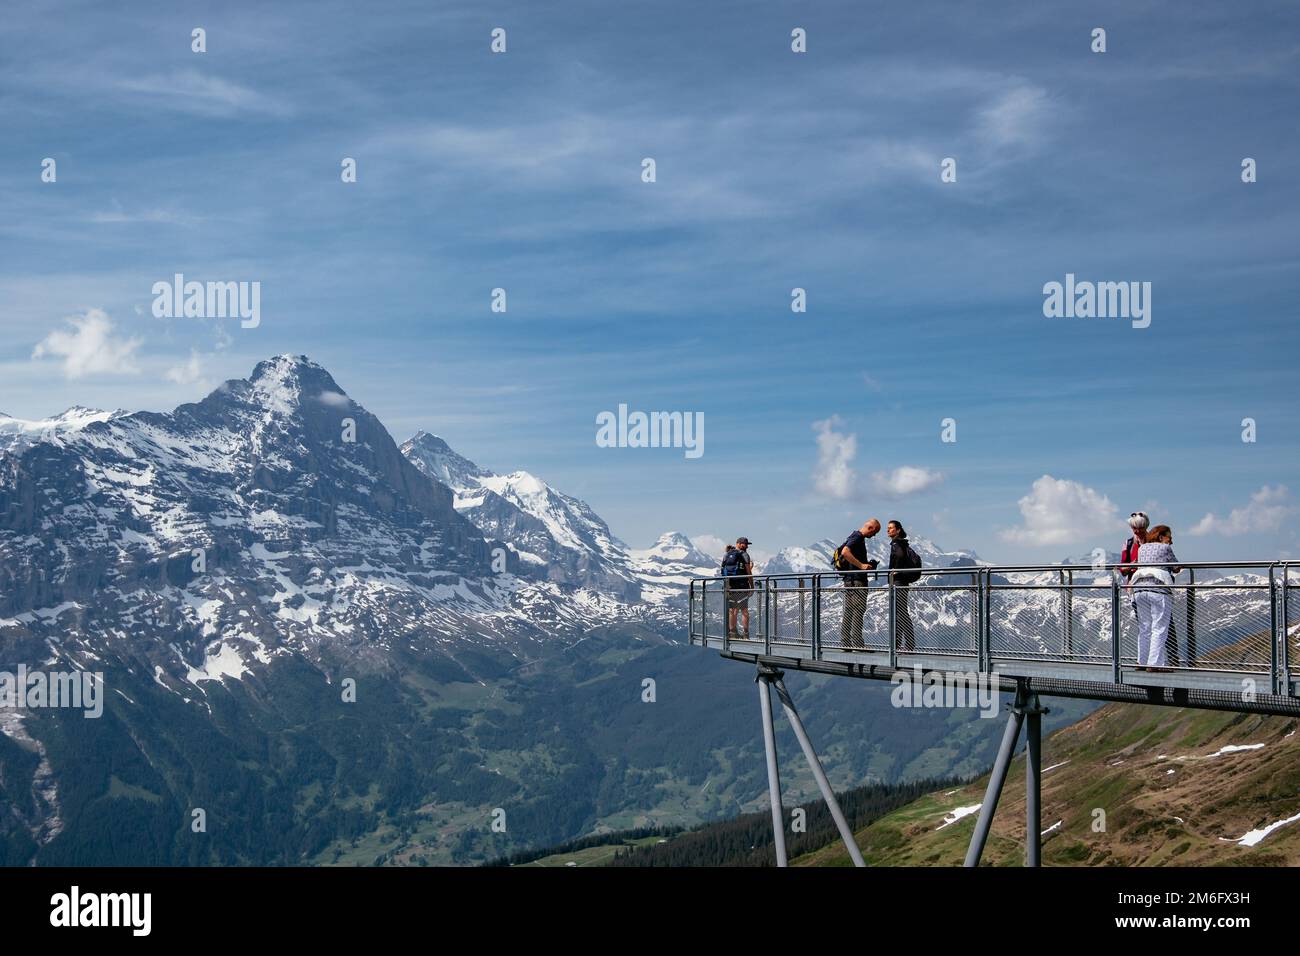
<point x="775" y="170"/>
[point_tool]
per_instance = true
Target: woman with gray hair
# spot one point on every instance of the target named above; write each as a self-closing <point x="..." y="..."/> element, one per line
<point x="1153" y="580"/>
<point x="1138" y="523"/>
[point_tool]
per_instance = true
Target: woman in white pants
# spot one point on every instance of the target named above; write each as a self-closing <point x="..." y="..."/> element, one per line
<point x="1153" y="595"/>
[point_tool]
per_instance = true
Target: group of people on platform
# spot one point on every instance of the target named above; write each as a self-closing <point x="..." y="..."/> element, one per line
<point x="850" y="557"/>
<point x="1148" y="565"/>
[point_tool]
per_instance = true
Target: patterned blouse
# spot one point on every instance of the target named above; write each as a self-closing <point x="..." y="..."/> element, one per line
<point x="1153" y="553"/>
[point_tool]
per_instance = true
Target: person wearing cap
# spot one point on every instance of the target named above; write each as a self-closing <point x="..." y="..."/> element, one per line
<point x="738" y="569"/>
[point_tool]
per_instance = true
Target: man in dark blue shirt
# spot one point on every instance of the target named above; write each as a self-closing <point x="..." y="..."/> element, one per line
<point x="853" y="553"/>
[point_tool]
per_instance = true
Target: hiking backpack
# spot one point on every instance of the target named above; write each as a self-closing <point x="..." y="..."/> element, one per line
<point x="912" y="560"/>
<point x="837" y="558"/>
<point x="734" y="563"/>
<point x="836" y="561"/>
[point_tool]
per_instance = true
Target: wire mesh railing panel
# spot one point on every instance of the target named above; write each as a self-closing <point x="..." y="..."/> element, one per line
<point x="1233" y="628"/>
<point x="1026" y="622"/>
<point x="790" y="609"/>
<point x="854" y="618"/>
<point x="1087" y="637"/>
<point x="714" y="614"/>
<point x="943" y="618"/>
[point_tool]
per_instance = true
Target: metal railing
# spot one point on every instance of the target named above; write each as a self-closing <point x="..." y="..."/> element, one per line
<point x="1234" y="620"/>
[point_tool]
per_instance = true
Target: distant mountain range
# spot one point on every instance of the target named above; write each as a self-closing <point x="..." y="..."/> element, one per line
<point x="817" y="556"/>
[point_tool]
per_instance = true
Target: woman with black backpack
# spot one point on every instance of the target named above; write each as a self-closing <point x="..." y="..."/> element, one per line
<point x="904" y="560"/>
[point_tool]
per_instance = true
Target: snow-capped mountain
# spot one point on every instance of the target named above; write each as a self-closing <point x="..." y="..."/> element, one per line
<point x="816" y="557"/>
<point x="18" y="433"/>
<point x="666" y="568"/>
<point x="275" y="517"/>
<point x="237" y="567"/>
<point x="557" y="538"/>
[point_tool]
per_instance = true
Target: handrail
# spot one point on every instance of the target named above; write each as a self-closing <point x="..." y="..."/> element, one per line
<point x="1031" y="568"/>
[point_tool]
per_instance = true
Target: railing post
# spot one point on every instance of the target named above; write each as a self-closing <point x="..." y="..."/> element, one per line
<point x="803" y="636"/>
<point x="986" y="625"/>
<point x="893" y="626"/>
<point x="726" y="618"/>
<point x="1191" y="617"/>
<point x="1069" y="614"/>
<point x="1275" y="656"/>
<point x="817" y="617"/>
<point x="771" y="624"/>
<point x="1114" y="626"/>
<point x="1286" y="633"/>
<point x="690" y="613"/>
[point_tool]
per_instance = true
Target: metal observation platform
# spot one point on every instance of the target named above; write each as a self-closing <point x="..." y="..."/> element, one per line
<point x="1064" y="631"/>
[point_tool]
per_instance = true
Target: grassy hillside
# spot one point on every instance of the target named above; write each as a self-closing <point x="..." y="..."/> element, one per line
<point x="1176" y="787"/>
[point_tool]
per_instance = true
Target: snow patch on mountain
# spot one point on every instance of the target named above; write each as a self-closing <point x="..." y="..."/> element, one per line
<point x="18" y="433"/>
<point x="557" y="537"/>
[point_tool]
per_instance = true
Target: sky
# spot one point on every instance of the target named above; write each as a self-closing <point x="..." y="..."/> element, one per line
<point x="773" y="171"/>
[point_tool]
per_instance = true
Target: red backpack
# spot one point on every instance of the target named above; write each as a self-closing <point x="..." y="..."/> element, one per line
<point x="1130" y="555"/>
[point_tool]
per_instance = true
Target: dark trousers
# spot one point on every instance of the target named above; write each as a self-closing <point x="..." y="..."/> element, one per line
<point x="903" y="619"/>
<point x="855" y="606"/>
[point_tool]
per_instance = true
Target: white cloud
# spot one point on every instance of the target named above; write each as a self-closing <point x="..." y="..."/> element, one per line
<point x="710" y="544"/>
<point x="188" y="373"/>
<point x="1266" y="510"/>
<point x="90" y="347"/>
<point x="906" y="480"/>
<point x="834" y="474"/>
<point x="334" y="399"/>
<point x="1059" y="511"/>
<point x="716" y="547"/>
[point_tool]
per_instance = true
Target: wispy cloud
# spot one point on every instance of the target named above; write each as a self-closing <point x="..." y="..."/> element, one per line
<point x="187" y="373"/>
<point x="1014" y="117"/>
<point x="193" y="91"/>
<point x="121" y="216"/>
